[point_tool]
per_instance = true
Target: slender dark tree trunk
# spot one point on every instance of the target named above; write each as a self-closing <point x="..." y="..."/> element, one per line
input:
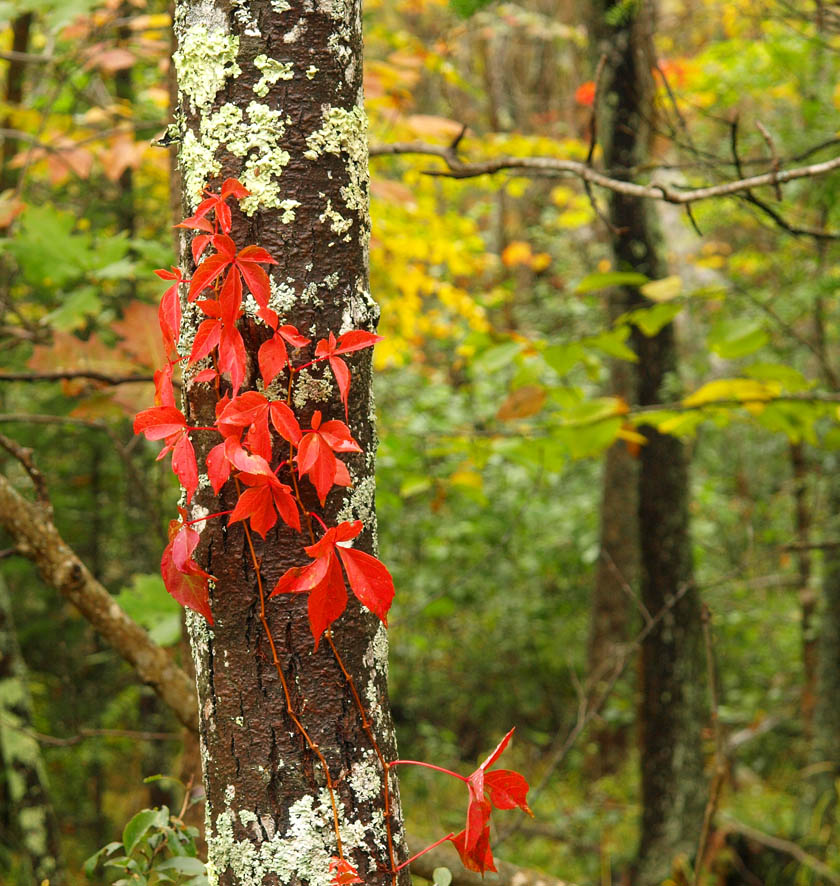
<point x="21" y="28"/>
<point x="270" y="93"/>
<point x="32" y="821"/>
<point x="672" y="669"/>
<point x="807" y="594"/>
<point x="616" y="578"/>
<point x="827" y="710"/>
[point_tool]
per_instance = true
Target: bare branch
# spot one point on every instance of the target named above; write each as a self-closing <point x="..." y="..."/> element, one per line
<point x="37" y="538"/>
<point x="70" y="374"/>
<point x="656" y="191"/>
<point x="83" y="734"/>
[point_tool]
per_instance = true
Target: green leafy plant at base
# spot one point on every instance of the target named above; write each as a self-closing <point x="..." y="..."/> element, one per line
<point x="156" y="848"/>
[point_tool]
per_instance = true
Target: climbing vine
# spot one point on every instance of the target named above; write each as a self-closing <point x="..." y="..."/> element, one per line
<point x="247" y="425"/>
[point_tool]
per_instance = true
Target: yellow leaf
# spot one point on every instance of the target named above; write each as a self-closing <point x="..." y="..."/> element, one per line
<point x="627" y="433"/>
<point x="744" y="390"/>
<point x="663" y="290"/>
<point x="517" y="253"/>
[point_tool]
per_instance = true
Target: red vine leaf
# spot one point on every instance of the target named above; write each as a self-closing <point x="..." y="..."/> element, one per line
<point x="263" y="501"/>
<point x="217" y="204"/>
<point x="478" y="858"/>
<point x="169" y="311"/>
<point x="315" y="455"/>
<point x="344" y="874"/>
<point x="273" y="357"/>
<point x="158" y="422"/>
<point x="183" y="578"/>
<point x="323" y="580"/>
<point x="329" y="348"/>
<point x="502" y="788"/>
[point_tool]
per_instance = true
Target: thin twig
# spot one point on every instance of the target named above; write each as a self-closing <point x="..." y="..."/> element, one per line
<point x="24" y="456"/>
<point x="69" y="374"/>
<point x="84" y="734"/>
<point x="768" y="140"/>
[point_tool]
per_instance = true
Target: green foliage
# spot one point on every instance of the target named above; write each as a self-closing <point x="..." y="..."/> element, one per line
<point x="467" y="8"/>
<point x="156" y="848"/>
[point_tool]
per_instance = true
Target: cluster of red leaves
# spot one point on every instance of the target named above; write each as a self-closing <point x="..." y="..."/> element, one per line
<point x="502" y="789"/>
<point x="250" y="423"/>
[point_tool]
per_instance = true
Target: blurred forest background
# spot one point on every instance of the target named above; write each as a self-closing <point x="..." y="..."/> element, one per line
<point x="510" y="434"/>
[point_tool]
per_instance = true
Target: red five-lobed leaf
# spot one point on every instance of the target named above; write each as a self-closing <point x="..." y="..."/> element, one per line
<point x="315" y="455"/>
<point x="322" y="579"/>
<point x="344" y="874"/>
<point x="329" y="348"/>
<point x="502" y="788"/>
<point x="273" y="356"/>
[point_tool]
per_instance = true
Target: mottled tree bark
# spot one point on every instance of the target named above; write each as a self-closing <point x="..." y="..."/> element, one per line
<point x="616" y="576"/>
<point x="672" y="669"/>
<point x="21" y="28"/>
<point x="270" y="93"/>
<point x="24" y="778"/>
<point x="827" y="709"/>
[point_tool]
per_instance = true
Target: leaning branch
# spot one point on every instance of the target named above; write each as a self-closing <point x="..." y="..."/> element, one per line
<point x="457" y="168"/>
<point x="36" y="538"/>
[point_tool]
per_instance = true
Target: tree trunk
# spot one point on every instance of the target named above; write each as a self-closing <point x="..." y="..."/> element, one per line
<point x="616" y="578"/>
<point x="672" y="669"/>
<point x="26" y="792"/>
<point x="827" y="709"/>
<point x="270" y="93"/>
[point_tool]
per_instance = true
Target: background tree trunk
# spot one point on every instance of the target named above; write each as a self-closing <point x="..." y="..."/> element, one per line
<point x="26" y="798"/>
<point x="672" y="669"/>
<point x="297" y="141"/>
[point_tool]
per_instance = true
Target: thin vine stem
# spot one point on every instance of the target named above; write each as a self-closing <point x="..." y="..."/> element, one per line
<point x="428" y="766"/>
<point x="289" y="707"/>
<point x="386" y="769"/>
<point x="417" y="855"/>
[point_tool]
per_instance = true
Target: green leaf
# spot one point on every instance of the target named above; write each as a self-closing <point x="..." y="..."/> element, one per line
<point x="791" y="379"/>
<point x="184" y="864"/>
<point x="651" y="320"/>
<point x="561" y="358"/>
<point x="147" y="602"/>
<point x="594" y="282"/>
<point x="441" y="876"/>
<point x="137" y="828"/>
<point x="496" y="358"/>
<point x="666" y="289"/>
<point x="75" y="309"/>
<point x="466" y="8"/>
<point x="613" y="344"/>
<point x="733" y="337"/>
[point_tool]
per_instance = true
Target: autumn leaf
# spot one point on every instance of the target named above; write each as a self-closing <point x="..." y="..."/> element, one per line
<point x="502" y="788"/>
<point x="315" y="455"/>
<point x="329" y="349"/>
<point x="273" y="356"/>
<point x="169" y="312"/>
<point x="322" y="579"/>
<point x="182" y="576"/>
<point x="344" y="874"/>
